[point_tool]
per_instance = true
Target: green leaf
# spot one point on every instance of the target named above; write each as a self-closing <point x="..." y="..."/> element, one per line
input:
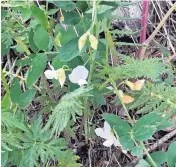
<point x="31" y="41"/>
<point x="66" y="35"/>
<point x="56" y="63"/>
<point x="69" y="105"/>
<point x="148" y="122"/>
<point x="4" y="48"/>
<point x="82" y="5"/>
<point x="52" y="11"/>
<point x="171" y="155"/>
<point x="159" y="157"/>
<point x="11" y="121"/>
<point x="103" y="11"/>
<point x="40" y="15"/>
<point x="71" y="18"/>
<point x="38" y="66"/>
<point x="142" y="163"/>
<point x="65" y="5"/>
<point x="4" y="157"/>
<point x="70" y="50"/>
<point x="121" y="128"/>
<point x="100" y="9"/>
<point x="5" y="103"/>
<point x="41" y="38"/>
<point x="126" y="141"/>
<point x="26" y="61"/>
<point x="115" y="120"/>
<point x="136" y="151"/>
<point x="98" y="98"/>
<point x="26" y="98"/>
<point x="15" y="90"/>
<point x="25" y="12"/>
<point x="3" y="14"/>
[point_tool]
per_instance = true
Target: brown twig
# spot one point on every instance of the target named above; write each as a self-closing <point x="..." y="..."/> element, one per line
<point x="162" y="140"/>
<point x="154" y="146"/>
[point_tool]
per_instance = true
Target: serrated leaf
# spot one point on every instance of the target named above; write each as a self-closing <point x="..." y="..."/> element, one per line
<point x="136" y="151"/>
<point x="41" y="38"/>
<point x="31" y="41"/>
<point x="11" y="121"/>
<point x="65" y="5"/>
<point x="70" y="50"/>
<point x="171" y="156"/>
<point x="38" y="66"/>
<point x="148" y="122"/>
<point x="40" y="15"/>
<point x="15" y="90"/>
<point x="26" y="98"/>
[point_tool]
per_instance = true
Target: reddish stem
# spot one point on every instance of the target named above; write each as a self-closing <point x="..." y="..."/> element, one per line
<point x="145" y="8"/>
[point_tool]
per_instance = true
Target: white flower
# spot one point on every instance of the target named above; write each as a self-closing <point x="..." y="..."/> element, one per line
<point x="79" y="75"/>
<point x="107" y="133"/>
<point x="56" y="74"/>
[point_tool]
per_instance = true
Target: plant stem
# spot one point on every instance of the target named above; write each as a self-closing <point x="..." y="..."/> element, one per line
<point x="4" y="82"/>
<point x="143" y="50"/>
<point x="148" y="155"/>
<point x="131" y="121"/>
<point x="92" y="66"/>
<point x="118" y="94"/>
<point x="144" y="19"/>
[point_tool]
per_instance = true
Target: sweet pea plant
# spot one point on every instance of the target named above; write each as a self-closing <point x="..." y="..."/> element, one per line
<point x="62" y="62"/>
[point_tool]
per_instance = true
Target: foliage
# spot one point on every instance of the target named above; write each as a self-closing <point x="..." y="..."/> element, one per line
<point x="158" y="98"/>
<point x="69" y="105"/>
<point x="58" y="35"/>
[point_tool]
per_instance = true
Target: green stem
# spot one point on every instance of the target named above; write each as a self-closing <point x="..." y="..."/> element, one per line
<point x="92" y="66"/>
<point x="118" y="94"/>
<point x="148" y="155"/>
<point x="131" y="121"/>
<point x="4" y="82"/>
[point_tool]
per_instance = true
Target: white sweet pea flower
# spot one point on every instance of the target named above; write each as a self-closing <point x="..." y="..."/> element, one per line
<point x="107" y="133"/>
<point x="79" y="75"/>
<point x="56" y="74"/>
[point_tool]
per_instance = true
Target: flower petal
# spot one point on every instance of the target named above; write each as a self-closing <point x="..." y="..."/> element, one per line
<point x="108" y="143"/>
<point x="136" y="85"/>
<point x="99" y="132"/>
<point x="61" y="76"/>
<point x="107" y="126"/>
<point x="127" y="99"/>
<point x="52" y="68"/>
<point x="117" y="142"/>
<point x="82" y="82"/>
<point x="73" y="78"/>
<point x="82" y="41"/>
<point x="93" y="41"/>
<point x="80" y="72"/>
<point x="50" y="74"/>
